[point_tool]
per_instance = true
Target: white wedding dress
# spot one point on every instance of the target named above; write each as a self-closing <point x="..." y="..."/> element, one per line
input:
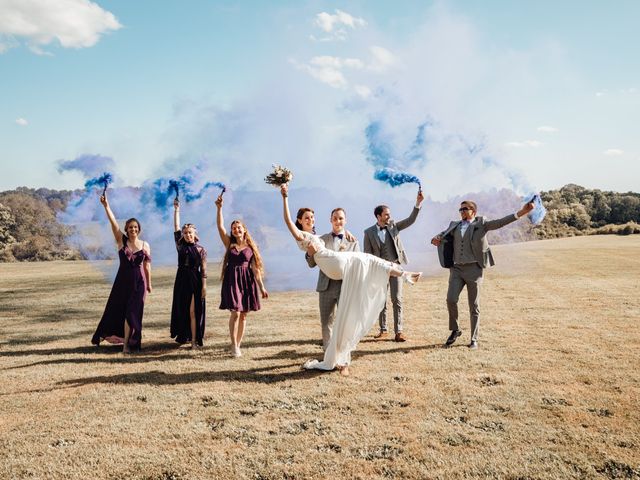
<point x="362" y="297"/>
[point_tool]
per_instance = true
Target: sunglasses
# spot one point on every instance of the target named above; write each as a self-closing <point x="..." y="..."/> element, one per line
<point x="464" y="209"/>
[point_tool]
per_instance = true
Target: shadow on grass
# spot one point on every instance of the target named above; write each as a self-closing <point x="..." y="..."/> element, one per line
<point x="149" y="351"/>
<point x="264" y="375"/>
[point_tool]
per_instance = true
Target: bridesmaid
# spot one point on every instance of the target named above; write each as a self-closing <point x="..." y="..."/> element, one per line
<point x="242" y="284"/>
<point x="121" y="321"/>
<point x="190" y="287"/>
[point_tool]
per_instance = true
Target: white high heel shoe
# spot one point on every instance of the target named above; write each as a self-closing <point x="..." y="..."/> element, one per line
<point x="411" y="277"/>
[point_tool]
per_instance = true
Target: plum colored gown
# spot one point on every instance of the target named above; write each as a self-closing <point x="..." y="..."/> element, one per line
<point x="239" y="286"/>
<point x="192" y="261"/>
<point x="126" y="300"/>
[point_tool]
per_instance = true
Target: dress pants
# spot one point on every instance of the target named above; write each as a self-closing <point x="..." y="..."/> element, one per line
<point x="469" y="274"/>
<point x="395" y="286"/>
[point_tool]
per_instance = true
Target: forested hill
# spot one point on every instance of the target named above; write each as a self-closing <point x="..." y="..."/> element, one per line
<point x="30" y="230"/>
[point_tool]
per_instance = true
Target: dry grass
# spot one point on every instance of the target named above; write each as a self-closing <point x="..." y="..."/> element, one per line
<point x="551" y="393"/>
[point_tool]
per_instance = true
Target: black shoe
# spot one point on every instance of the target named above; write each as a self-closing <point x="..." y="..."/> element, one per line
<point x="453" y="337"/>
<point x="473" y="345"/>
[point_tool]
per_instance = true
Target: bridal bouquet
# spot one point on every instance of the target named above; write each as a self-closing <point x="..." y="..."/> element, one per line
<point x="279" y="176"/>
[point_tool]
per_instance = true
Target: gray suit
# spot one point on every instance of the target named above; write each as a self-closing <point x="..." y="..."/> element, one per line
<point x="392" y="250"/>
<point x="329" y="290"/>
<point x="466" y="256"/>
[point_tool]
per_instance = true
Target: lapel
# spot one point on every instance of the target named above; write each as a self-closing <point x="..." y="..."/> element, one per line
<point x="472" y="227"/>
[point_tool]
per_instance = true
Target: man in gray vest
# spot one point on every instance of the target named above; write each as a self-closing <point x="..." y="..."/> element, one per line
<point x="463" y="249"/>
<point x="329" y="290"/>
<point x="383" y="240"/>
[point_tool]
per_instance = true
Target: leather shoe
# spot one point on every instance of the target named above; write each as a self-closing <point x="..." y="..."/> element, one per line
<point x="381" y="334"/>
<point x="453" y="337"/>
<point x="400" y="337"/>
<point x="473" y="345"/>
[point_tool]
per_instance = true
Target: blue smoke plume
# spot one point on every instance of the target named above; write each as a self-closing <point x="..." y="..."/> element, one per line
<point x="395" y="178"/>
<point x="103" y="180"/>
<point x="380" y="153"/>
<point x="539" y="212"/>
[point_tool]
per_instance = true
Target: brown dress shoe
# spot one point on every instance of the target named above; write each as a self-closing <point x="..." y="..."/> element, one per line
<point x="381" y="334"/>
<point x="400" y="337"/>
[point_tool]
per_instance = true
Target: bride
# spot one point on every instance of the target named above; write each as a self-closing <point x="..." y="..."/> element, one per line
<point x="362" y="296"/>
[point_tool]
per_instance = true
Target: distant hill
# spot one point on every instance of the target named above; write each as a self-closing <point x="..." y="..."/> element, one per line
<point x="30" y="230"/>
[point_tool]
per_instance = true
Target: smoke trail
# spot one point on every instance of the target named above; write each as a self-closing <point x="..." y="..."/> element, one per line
<point x="103" y="180"/>
<point x="87" y="164"/>
<point x="394" y="178"/>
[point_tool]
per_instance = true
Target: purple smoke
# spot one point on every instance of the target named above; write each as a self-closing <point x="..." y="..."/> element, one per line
<point x="89" y="165"/>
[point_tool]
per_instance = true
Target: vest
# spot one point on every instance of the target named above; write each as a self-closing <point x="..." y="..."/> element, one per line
<point x="462" y="252"/>
<point x="388" y="249"/>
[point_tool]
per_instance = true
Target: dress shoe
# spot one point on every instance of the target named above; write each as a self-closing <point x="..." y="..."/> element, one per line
<point x="453" y="337"/>
<point x="400" y="337"/>
<point x="380" y="335"/>
<point x="473" y="345"/>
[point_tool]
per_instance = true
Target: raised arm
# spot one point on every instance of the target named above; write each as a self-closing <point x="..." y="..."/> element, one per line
<point x="407" y="222"/>
<point x="297" y="234"/>
<point x="220" y="222"/>
<point x="117" y="233"/>
<point x="176" y="215"/>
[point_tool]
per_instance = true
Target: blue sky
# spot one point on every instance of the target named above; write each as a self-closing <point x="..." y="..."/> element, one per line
<point x="525" y="95"/>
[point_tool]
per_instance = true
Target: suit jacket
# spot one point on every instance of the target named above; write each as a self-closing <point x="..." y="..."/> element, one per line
<point x="344" y="246"/>
<point x="372" y="241"/>
<point x="479" y="244"/>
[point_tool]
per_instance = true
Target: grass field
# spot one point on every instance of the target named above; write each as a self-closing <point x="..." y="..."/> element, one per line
<point x="553" y="391"/>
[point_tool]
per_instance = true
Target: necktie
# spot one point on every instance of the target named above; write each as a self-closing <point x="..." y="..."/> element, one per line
<point x="339" y="235"/>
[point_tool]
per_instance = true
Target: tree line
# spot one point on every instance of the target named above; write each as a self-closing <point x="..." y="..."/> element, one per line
<point x="31" y="231"/>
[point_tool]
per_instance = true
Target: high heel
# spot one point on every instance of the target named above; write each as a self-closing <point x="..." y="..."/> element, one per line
<point x="411" y="277"/>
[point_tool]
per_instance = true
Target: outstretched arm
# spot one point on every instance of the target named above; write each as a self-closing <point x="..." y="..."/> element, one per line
<point x="117" y="233"/>
<point x="501" y="222"/>
<point x="297" y="234"/>
<point x="176" y="215"/>
<point x="220" y="222"/>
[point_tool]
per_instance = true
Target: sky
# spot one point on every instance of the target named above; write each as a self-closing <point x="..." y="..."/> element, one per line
<point x="525" y="95"/>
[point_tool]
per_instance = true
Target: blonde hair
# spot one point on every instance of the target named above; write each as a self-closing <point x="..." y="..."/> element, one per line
<point x="257" y="258"/>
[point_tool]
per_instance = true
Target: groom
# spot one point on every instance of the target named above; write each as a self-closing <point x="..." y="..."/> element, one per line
<point x="329" y="290"/>
<point x="383" y="240"/>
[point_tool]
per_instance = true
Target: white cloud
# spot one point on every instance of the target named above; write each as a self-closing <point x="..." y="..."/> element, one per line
<point x="526" y="143"/>
<point x="382" y="59"/>
<point x="600" y="94"/>
<point x="362" y="90"/>
<point x="547" y="129"/>
<point x="22" y="122"/>
<point x="328" y="69"/>
<point x="613" y="152"/>
<point x="72" y="23"/>
<point x="335" y="26"/>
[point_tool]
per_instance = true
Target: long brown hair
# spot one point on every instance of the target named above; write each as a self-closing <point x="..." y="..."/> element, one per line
<point x="257" y="258"/>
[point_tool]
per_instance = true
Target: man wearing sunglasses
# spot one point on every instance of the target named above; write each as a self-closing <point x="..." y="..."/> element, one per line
<point x="463" y="249"/>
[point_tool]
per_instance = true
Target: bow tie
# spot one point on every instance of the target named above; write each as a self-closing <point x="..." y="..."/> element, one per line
<point x="339" y="235"/>
<point x="382" y="228"/>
